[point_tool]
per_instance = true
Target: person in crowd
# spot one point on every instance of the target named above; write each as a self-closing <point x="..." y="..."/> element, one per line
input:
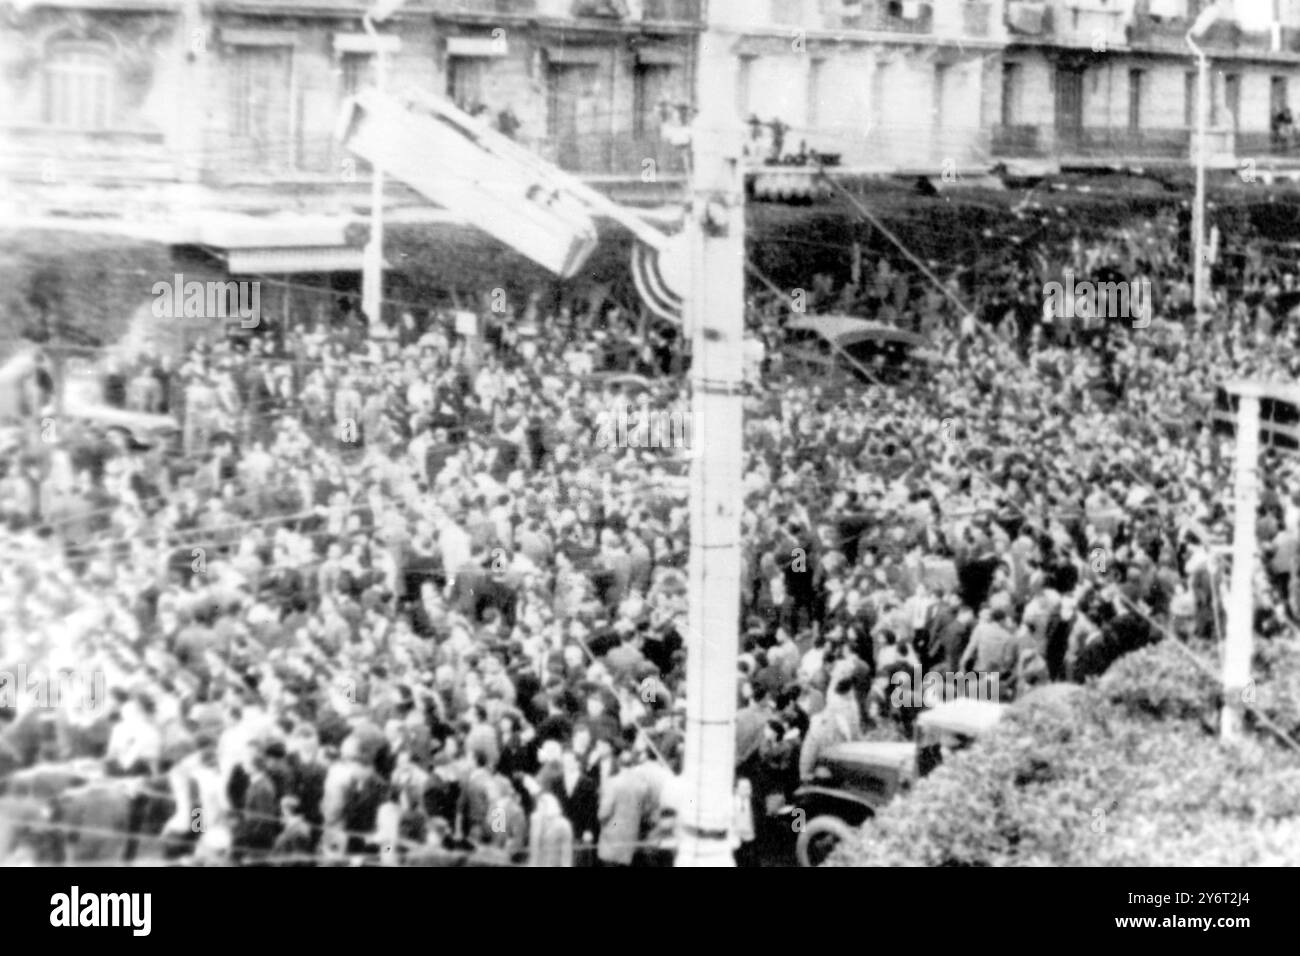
<point x="394" y="573"/>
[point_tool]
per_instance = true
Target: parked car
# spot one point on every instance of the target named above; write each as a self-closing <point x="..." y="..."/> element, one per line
<point x="854" y="780"/>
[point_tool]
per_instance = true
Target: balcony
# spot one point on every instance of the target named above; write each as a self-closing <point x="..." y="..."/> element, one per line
<point x="886" y="16"/>
<point x="672" y="11"/>
<point x="1104" y="145"/>
<point x="976" y="19"/>
<point x="612" y="155"/>
<point x="628" y="12"/>
<point x="487" y="7"/>
<point x="876" y="16"/>
<point x="1167" y="35"/>
<point x="46" y="154"/>
<point x="1095" y="27"/>
<point x="918" y="147"/>
<point x="968" y="19"/>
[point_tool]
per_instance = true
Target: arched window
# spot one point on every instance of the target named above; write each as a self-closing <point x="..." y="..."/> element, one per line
<point x="79" y="85"/>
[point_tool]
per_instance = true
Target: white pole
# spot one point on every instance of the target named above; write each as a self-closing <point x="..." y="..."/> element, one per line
<point x="1202" y="152"/>
<point x="715" y="322"/>
<point x="372" y="272"/>
<point x="1239" y="647"/>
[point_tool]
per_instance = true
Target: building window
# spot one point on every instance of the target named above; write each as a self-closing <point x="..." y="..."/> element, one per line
<point x="1278" y="96"/>
<point x="937" y="92"/>
<point x="79" y="86"/>
<point x="1190" y="86"/>
<point x="744" y="77"/>
<point x="261" y="111"/>
<point x="1011" y="73"/>
<point x="356" y="72"/>
<point x="465" y="81"/>
<point x="815" y="68"/>
<point x="1232" y="98"/>
<point x="1136" y="80"/>
<point x="574" y="116"/>
<point x="655" y="92"/>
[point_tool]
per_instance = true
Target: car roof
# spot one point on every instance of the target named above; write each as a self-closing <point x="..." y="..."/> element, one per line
<point x="966" y="715"/>
<point x="873" y="753"/>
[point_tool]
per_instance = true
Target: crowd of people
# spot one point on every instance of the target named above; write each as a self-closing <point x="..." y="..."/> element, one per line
<point x="387" y="596"/>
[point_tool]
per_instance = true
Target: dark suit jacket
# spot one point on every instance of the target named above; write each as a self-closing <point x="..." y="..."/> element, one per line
<point x="580" y="806"/>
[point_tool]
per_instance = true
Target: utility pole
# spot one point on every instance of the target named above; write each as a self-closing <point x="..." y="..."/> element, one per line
<point x="715" y="322"/>
<point x="372" y="257"/>
<point x="1202" y="157"/>
<point x="1239" y="647"/>
<point x="1200" y="284"/>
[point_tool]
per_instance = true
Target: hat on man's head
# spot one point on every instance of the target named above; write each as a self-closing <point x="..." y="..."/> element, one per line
<point x="814" y="701"/>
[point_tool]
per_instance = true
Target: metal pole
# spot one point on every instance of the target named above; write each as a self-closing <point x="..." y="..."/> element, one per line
<point x="1202" y="150"/>
<point x="372" y="274"/>
<point x="715" y="321"/>
<point x="1238" y="648"/>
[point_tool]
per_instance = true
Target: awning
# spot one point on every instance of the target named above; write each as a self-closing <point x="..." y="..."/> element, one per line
<point x="235" y="231"/>
<point x="578" y="55"/>
<point x="238" y="36"/>
<point x="660" y="56"/>
<point x="273" y="260"/>
<point x="477" y="46"/>
<point x="363" y="43"/>
<point x="846" y="330"/>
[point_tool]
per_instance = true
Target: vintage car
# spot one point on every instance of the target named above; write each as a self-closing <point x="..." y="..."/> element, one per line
<point x="864" y="349"/>
<point x="30" y="379"/>
<point x="853" y="780"/>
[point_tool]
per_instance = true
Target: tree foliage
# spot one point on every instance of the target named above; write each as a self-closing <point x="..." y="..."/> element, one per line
<point x="1124" y="772"/>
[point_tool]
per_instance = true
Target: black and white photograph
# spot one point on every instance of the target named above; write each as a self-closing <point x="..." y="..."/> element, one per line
<point x="630" y="434"/>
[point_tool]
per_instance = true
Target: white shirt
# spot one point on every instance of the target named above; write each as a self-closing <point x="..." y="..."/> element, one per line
<point x="454" y="544"/>
<point x="133" y="740"/>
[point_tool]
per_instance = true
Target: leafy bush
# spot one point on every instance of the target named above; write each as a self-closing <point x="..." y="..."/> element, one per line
<point x="1277" y="670"/>
<point x="83" y="286"/>
<point x="1122" y="773"/>
<point x="1162" y="682"/>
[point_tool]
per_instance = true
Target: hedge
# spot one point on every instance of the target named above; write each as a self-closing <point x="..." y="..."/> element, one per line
<point x="1124" y="772"/>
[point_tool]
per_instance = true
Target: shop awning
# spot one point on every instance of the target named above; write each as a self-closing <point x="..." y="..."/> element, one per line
<point x="262" y="260"/>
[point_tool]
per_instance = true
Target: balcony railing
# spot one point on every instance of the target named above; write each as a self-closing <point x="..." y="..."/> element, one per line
<point x="1259" y="144"/>
<point x="976" y="19"/>
<point x="889" y="16"/>
<point x="945" y="18"/>
<point x="1110" y="143"/>
<point x="672" y="11"/>
<point x="1091" y="27"/>
<point x="652" y="11"/>
<point x="1159" y="34"/>
<point x="619" y="155"/>
<point x="1170" y="36"/>
<point x="895" y="146"/>
<point x="320" y="159"/>
<point x="1097" y="142"/>
<point x="53" y="155"/>
<point x="483" y="7"/>
<point x="1083" y="24"/>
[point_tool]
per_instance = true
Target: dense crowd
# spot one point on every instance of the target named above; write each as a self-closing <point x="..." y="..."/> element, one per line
<point x="396" y="596"/>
